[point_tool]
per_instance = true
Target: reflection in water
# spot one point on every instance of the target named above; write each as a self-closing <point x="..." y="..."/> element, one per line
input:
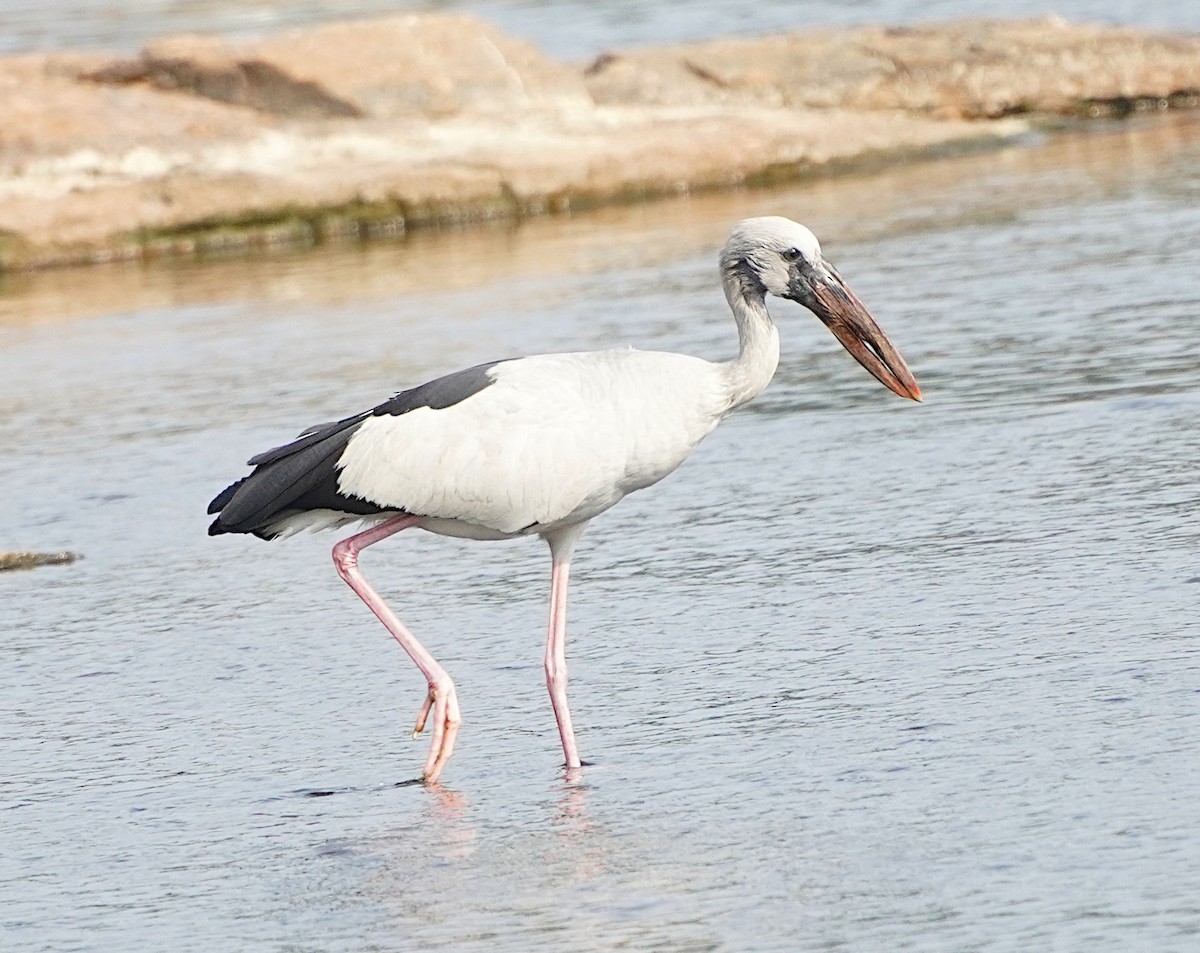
<point x="534" y="875"/>
<point x="450" y="812"/>
<point x="572" y="820"/>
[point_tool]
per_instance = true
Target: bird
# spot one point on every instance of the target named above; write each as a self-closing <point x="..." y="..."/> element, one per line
<point x="540" y="446"/>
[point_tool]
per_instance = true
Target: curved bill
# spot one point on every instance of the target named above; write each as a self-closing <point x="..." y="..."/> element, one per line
<point x="851" y="323"/>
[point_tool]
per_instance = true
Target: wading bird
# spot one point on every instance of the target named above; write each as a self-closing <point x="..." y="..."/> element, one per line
<point x="538" y="446"/>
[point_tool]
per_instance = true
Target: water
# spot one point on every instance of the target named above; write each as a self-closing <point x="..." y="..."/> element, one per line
<point x="573" y="29"/>
<point x="863" y="675"/>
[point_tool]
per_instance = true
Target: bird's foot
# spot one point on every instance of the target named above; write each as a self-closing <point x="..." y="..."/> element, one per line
<point x="442" y="701"/>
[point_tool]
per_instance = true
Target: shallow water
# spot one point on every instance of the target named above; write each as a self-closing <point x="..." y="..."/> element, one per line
<point x="863" y="675"/>
<point x="572" y="29"/>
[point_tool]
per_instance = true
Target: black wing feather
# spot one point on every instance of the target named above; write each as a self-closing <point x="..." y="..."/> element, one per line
<point x="308" y="436"/>
<point x="303" y="475"/>
<point x="284" y="477"/>
<point x="221" y="500"/>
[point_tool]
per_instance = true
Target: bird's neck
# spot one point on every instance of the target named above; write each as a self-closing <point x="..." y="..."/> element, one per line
<point x="758" y="354"/>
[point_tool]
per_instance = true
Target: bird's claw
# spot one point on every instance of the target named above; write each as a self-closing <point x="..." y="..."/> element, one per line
<point x="442" y="701"/>
<point x="423" y="714"/>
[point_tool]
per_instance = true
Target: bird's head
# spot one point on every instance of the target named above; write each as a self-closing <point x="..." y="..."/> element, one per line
<point x="774" y="255"/>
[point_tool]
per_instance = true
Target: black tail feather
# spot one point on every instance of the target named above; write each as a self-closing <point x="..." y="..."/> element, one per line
<point x="221" y="500"/>
<point x="297" y="476"/>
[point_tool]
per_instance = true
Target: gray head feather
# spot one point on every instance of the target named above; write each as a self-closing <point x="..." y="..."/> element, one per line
<point x="760" y="252"/>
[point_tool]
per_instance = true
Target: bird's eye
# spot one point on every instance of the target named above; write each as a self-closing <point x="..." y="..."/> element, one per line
<point x="790" y="255"/>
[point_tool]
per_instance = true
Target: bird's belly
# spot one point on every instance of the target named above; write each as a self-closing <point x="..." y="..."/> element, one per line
<point x="462" y="529"/>
<point x="553" y="519"/>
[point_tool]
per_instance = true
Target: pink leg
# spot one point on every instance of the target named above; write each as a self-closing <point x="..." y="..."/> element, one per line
<point x="562" y="545"/>
<point x="441" y="699"/>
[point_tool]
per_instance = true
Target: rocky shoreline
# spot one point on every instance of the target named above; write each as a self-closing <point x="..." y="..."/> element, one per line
<point x="375" y="127"/>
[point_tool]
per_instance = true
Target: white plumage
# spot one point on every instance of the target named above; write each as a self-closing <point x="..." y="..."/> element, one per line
<point x="541" y="445"/>
<point x="558" y="439"/>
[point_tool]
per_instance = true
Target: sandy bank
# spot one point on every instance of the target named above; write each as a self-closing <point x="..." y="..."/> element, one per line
<point x="379" y="126"/>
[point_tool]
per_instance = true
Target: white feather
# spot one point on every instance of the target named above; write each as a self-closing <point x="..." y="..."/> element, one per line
<point x="555" y="440"/>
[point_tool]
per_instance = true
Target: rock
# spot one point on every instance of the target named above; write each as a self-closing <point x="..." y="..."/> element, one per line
<point x="972" y="69"/>
<point x="51" y="111"/>
<point x="427" y="65"/>
<point x="26" y="560"/>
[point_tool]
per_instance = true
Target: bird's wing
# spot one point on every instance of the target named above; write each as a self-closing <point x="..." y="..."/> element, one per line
<point x="303" y="474"/>
<point x="555" y="438"/>
<point x="510" y="446"/>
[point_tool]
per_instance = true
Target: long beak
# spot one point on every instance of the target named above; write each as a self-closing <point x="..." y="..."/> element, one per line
<point x="851" y="323"/>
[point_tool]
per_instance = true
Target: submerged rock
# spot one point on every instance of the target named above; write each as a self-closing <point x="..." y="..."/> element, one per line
<point x="13" y="559"/>
<point x="376" y="126"/>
